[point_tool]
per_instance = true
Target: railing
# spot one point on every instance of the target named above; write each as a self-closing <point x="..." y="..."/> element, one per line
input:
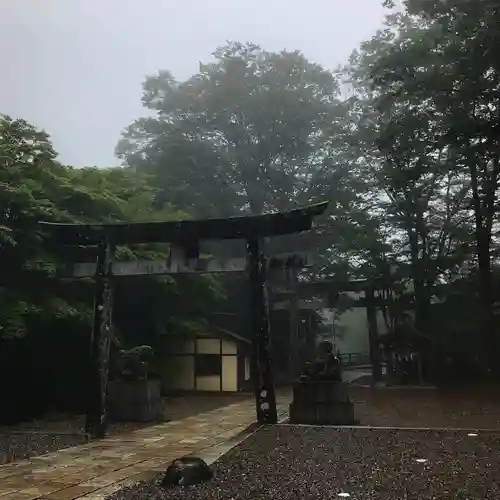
<point x="354" y="358"/>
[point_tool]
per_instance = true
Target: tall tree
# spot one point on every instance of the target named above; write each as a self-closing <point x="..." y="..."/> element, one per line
<point x="433" y="83"/>
<point x="251" y="132"/>
<point x="404" y="148"/>
<point x="467" y="94"/>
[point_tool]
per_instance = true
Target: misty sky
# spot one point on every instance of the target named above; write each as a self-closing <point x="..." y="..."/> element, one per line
<point x="75" y="67"/>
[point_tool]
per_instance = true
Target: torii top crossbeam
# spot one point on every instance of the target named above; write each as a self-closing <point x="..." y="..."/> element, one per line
<point x="245" y="227"/>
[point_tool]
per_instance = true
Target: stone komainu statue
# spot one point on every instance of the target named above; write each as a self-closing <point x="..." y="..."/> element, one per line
<point x="326" y="366"/>
<point x="319" y="396"/>
<point x="133" y="364"/>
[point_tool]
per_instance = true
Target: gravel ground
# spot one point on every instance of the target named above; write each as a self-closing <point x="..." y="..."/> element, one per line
<point x="466" y="407"/>
<point x="17" y="446"/>
<point x="309" y="463"/>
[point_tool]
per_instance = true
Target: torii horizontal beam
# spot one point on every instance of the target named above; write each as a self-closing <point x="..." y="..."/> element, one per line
<point x="179" y="265"/>
<point x="254" y="226"/>
<point x="302" y="305"/>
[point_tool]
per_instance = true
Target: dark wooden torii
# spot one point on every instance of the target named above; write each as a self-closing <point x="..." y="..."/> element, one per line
<point x="185" y="235"/>
<point x="331" y="288"/>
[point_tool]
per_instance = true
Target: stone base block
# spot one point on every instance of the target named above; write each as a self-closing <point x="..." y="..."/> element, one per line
<point x="135" y="401"/>
<point x="321" y="403"/>
<point x="323" y="414"/>
<point x="320" y="392"/>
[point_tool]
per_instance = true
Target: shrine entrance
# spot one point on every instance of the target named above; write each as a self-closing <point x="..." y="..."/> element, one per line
<point x="184" y="238"/>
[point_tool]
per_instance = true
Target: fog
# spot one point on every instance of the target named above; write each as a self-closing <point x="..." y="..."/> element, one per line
<point x="75" y="67"/>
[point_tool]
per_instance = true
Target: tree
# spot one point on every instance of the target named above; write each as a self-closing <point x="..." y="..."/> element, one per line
<point x="253" y="132"/>
<point x="428" y="88"/>
<point x="423" y="194"/>
<point x="28" y="174"/>
<point x="467" y="94"/>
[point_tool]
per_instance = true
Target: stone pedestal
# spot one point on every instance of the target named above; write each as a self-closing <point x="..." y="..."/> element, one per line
<point x="321" y="403"/>
<point x="135" y="401"/>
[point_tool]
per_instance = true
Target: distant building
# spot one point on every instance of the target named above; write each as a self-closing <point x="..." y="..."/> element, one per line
<point x="216" y="361"/>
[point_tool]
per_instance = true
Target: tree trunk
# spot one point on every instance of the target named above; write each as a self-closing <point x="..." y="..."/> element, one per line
<point x="371" y="315"/>
<point x="483" y="214"/>
<point x="293" y="318"/>
<point x="486" y="294"/>
<point x="421" y="292"/>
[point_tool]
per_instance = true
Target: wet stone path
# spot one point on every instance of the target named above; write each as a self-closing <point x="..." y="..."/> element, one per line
<point x="97" y="469"/>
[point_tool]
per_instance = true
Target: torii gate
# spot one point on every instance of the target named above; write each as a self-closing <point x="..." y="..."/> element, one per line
<point x="184" y="237"/>
<point x="331" y="288"/>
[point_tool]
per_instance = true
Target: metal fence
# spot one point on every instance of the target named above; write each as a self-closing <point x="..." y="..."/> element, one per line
<point x="354" y="358"/>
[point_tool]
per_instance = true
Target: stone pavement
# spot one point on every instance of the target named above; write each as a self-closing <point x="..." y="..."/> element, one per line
<point x="350" y="375"/>
<point x="95" y="470"/>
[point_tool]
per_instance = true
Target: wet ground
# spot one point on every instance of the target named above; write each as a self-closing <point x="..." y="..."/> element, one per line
<point x="55" y="432"/>
<point x="290" y="462"/>
<point x="473" y="407"/>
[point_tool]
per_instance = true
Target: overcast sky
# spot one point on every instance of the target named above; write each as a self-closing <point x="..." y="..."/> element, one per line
<point x="75" y="67"/>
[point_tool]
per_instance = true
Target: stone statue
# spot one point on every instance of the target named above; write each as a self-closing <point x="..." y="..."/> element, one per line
<point x="132" y="364"/>
<point x="326" y="366"/>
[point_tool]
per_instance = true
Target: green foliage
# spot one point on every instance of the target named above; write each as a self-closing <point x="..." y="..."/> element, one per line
<point x="35" y="187"/>
<point x="28" y="176"/>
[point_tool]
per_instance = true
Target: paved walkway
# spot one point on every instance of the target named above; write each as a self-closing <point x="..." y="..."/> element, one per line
<point x="95" y="470"/>
<point x="350" y="375"/>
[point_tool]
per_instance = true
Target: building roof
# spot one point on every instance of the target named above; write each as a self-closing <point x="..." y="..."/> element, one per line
<point x="229" y="335"/>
